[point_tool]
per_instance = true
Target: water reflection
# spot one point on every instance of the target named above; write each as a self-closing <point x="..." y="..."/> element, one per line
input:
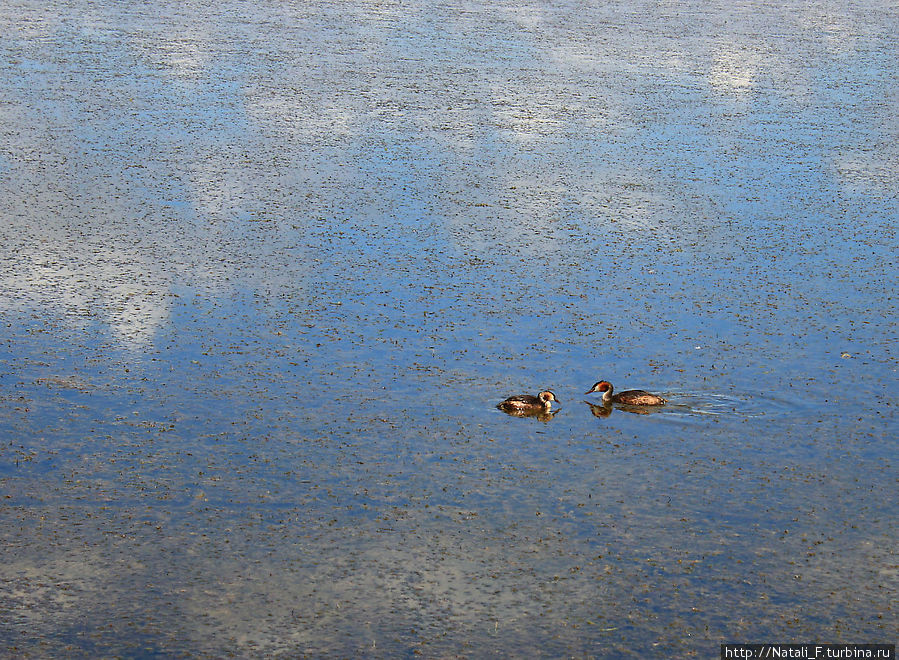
<point x="605" y="409"/>
<point x="539" y="415"/>
<point x="599" y="410"/>
<point x="735" y="71"/>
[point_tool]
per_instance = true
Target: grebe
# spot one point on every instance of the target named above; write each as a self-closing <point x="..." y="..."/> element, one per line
<point x="526" y="403"/>
<point x="628" y="397"/>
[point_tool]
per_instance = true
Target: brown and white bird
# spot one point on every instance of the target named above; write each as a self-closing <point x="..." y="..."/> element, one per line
<point x="528" y="403"/>
<point x="628" y="397"/>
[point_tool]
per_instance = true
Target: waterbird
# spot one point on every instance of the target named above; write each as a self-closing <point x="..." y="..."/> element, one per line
<point x="628" y="397"/>
<point x="528" y="403"/>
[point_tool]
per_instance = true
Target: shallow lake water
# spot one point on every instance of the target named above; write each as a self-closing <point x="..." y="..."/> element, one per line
<point x="267" y="270"/>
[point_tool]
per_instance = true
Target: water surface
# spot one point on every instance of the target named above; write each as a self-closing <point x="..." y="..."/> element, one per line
<point x="266" y="273"/>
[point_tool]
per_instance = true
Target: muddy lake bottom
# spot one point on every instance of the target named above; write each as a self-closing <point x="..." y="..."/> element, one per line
<point x="265" y="276"/>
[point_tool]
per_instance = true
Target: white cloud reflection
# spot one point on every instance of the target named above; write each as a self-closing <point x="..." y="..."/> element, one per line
<point x="185" y="58"/>
<point x="734" y="71"/>
<point x="532" y="122"/>
<point x="113" y="286"/>
<point x="288" y="110"/>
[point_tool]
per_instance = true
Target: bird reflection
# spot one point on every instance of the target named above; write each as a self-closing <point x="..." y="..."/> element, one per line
<point x="599" y="410"/>
<point x="604" y="410"/>
<point x="539" y="415"/>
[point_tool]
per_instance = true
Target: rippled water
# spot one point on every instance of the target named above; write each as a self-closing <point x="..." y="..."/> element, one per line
<point x="267" y="271"/>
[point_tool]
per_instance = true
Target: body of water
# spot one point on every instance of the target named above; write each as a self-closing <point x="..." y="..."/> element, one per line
<point x="268" y="269"/>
